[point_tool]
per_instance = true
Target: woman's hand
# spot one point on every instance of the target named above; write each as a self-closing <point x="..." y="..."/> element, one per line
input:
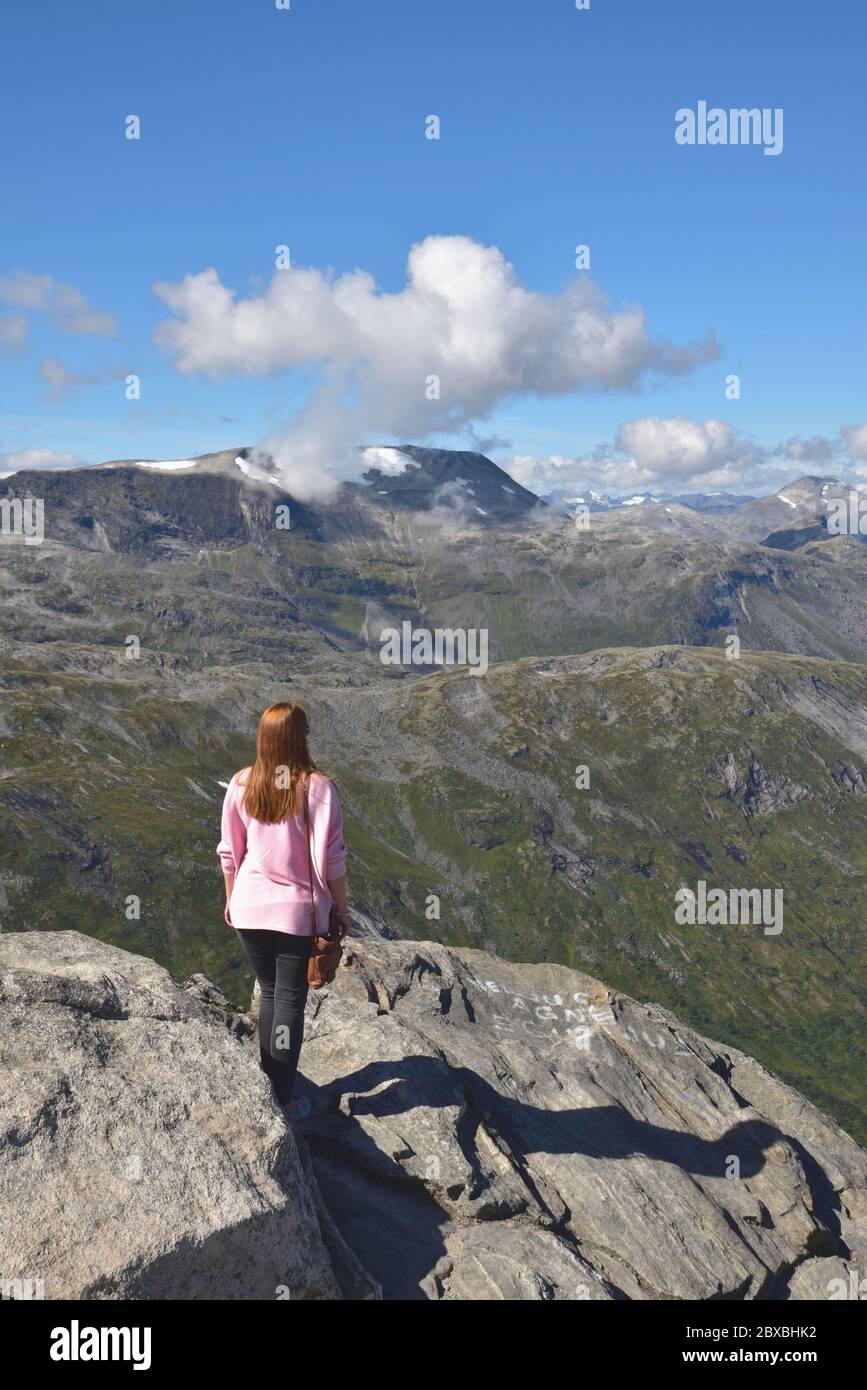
<point x="337" y="889"/>
<point x="229" y="881"/>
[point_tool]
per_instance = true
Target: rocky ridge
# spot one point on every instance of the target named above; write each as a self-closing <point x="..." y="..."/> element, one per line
<point x="480" y="1131"/>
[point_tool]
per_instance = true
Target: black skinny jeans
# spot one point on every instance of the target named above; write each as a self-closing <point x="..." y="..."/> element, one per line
<point x="279" y="962"/>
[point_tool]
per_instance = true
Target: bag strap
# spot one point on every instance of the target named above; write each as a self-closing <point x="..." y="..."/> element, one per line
<point x="309" y="858"/>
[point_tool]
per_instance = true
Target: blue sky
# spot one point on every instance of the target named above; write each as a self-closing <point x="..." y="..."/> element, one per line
<point x="306" y="127"/>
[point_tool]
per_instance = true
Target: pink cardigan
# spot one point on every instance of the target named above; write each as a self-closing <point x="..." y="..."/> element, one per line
<point x="269" y="862"/>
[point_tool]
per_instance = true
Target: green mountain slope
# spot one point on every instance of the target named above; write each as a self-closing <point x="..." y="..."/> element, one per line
<point x="745" y="774"/>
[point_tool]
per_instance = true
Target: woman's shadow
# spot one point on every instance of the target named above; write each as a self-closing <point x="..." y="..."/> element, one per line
<point x="599" y="1132"/>
<point x="606" y="1133"/>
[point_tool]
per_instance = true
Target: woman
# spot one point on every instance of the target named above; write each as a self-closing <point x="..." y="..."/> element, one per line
<point x="264" y="853"/>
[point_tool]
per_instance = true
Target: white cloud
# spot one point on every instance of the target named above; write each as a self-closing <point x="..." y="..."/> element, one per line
<point x="319" y="449"/>
<point x="66" y="306"/>
<point x="855" y="439"/>
<point x="650" y="452"/>
<point x="37" y="459"/>
<point x="816" y="449"/>
<point x="462" y="318"/>
<point x="710" y="452"/>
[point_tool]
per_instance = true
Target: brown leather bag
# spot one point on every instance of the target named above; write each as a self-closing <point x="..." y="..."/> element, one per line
<point x="325" y="951"/>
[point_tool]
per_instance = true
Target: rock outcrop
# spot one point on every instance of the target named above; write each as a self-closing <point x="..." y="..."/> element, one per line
<point x="142" y="1155"/>
<point x="767" y="792"/>
<point x="764" y="792"/>
<point x="480" y="1130"/>
<point x="484" y="1130"/>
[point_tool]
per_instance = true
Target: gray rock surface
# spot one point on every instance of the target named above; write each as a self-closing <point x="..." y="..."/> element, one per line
<point x="485" y="1130"/>
<point x="142" y="1155"/>
<point x="480" y="1131"/>
<point x="767" y="791"/>
<point x="830" y="1279"/>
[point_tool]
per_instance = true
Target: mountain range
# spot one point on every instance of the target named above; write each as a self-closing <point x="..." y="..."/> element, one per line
<point x="606" y="502"/>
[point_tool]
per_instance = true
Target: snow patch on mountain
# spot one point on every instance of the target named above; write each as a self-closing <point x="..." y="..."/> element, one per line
<point x="386" y="460"/>
<point x="254" y="471"/>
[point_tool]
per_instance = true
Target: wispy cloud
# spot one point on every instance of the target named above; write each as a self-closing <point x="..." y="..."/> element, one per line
<point x="814" y="450"/>
<point x="13" y="334"/>
<point x="60" y="378"/>
<point x="65" y="305"/>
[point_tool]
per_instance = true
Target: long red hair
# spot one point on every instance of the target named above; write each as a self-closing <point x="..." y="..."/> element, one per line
<point x="272" y="790"/>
